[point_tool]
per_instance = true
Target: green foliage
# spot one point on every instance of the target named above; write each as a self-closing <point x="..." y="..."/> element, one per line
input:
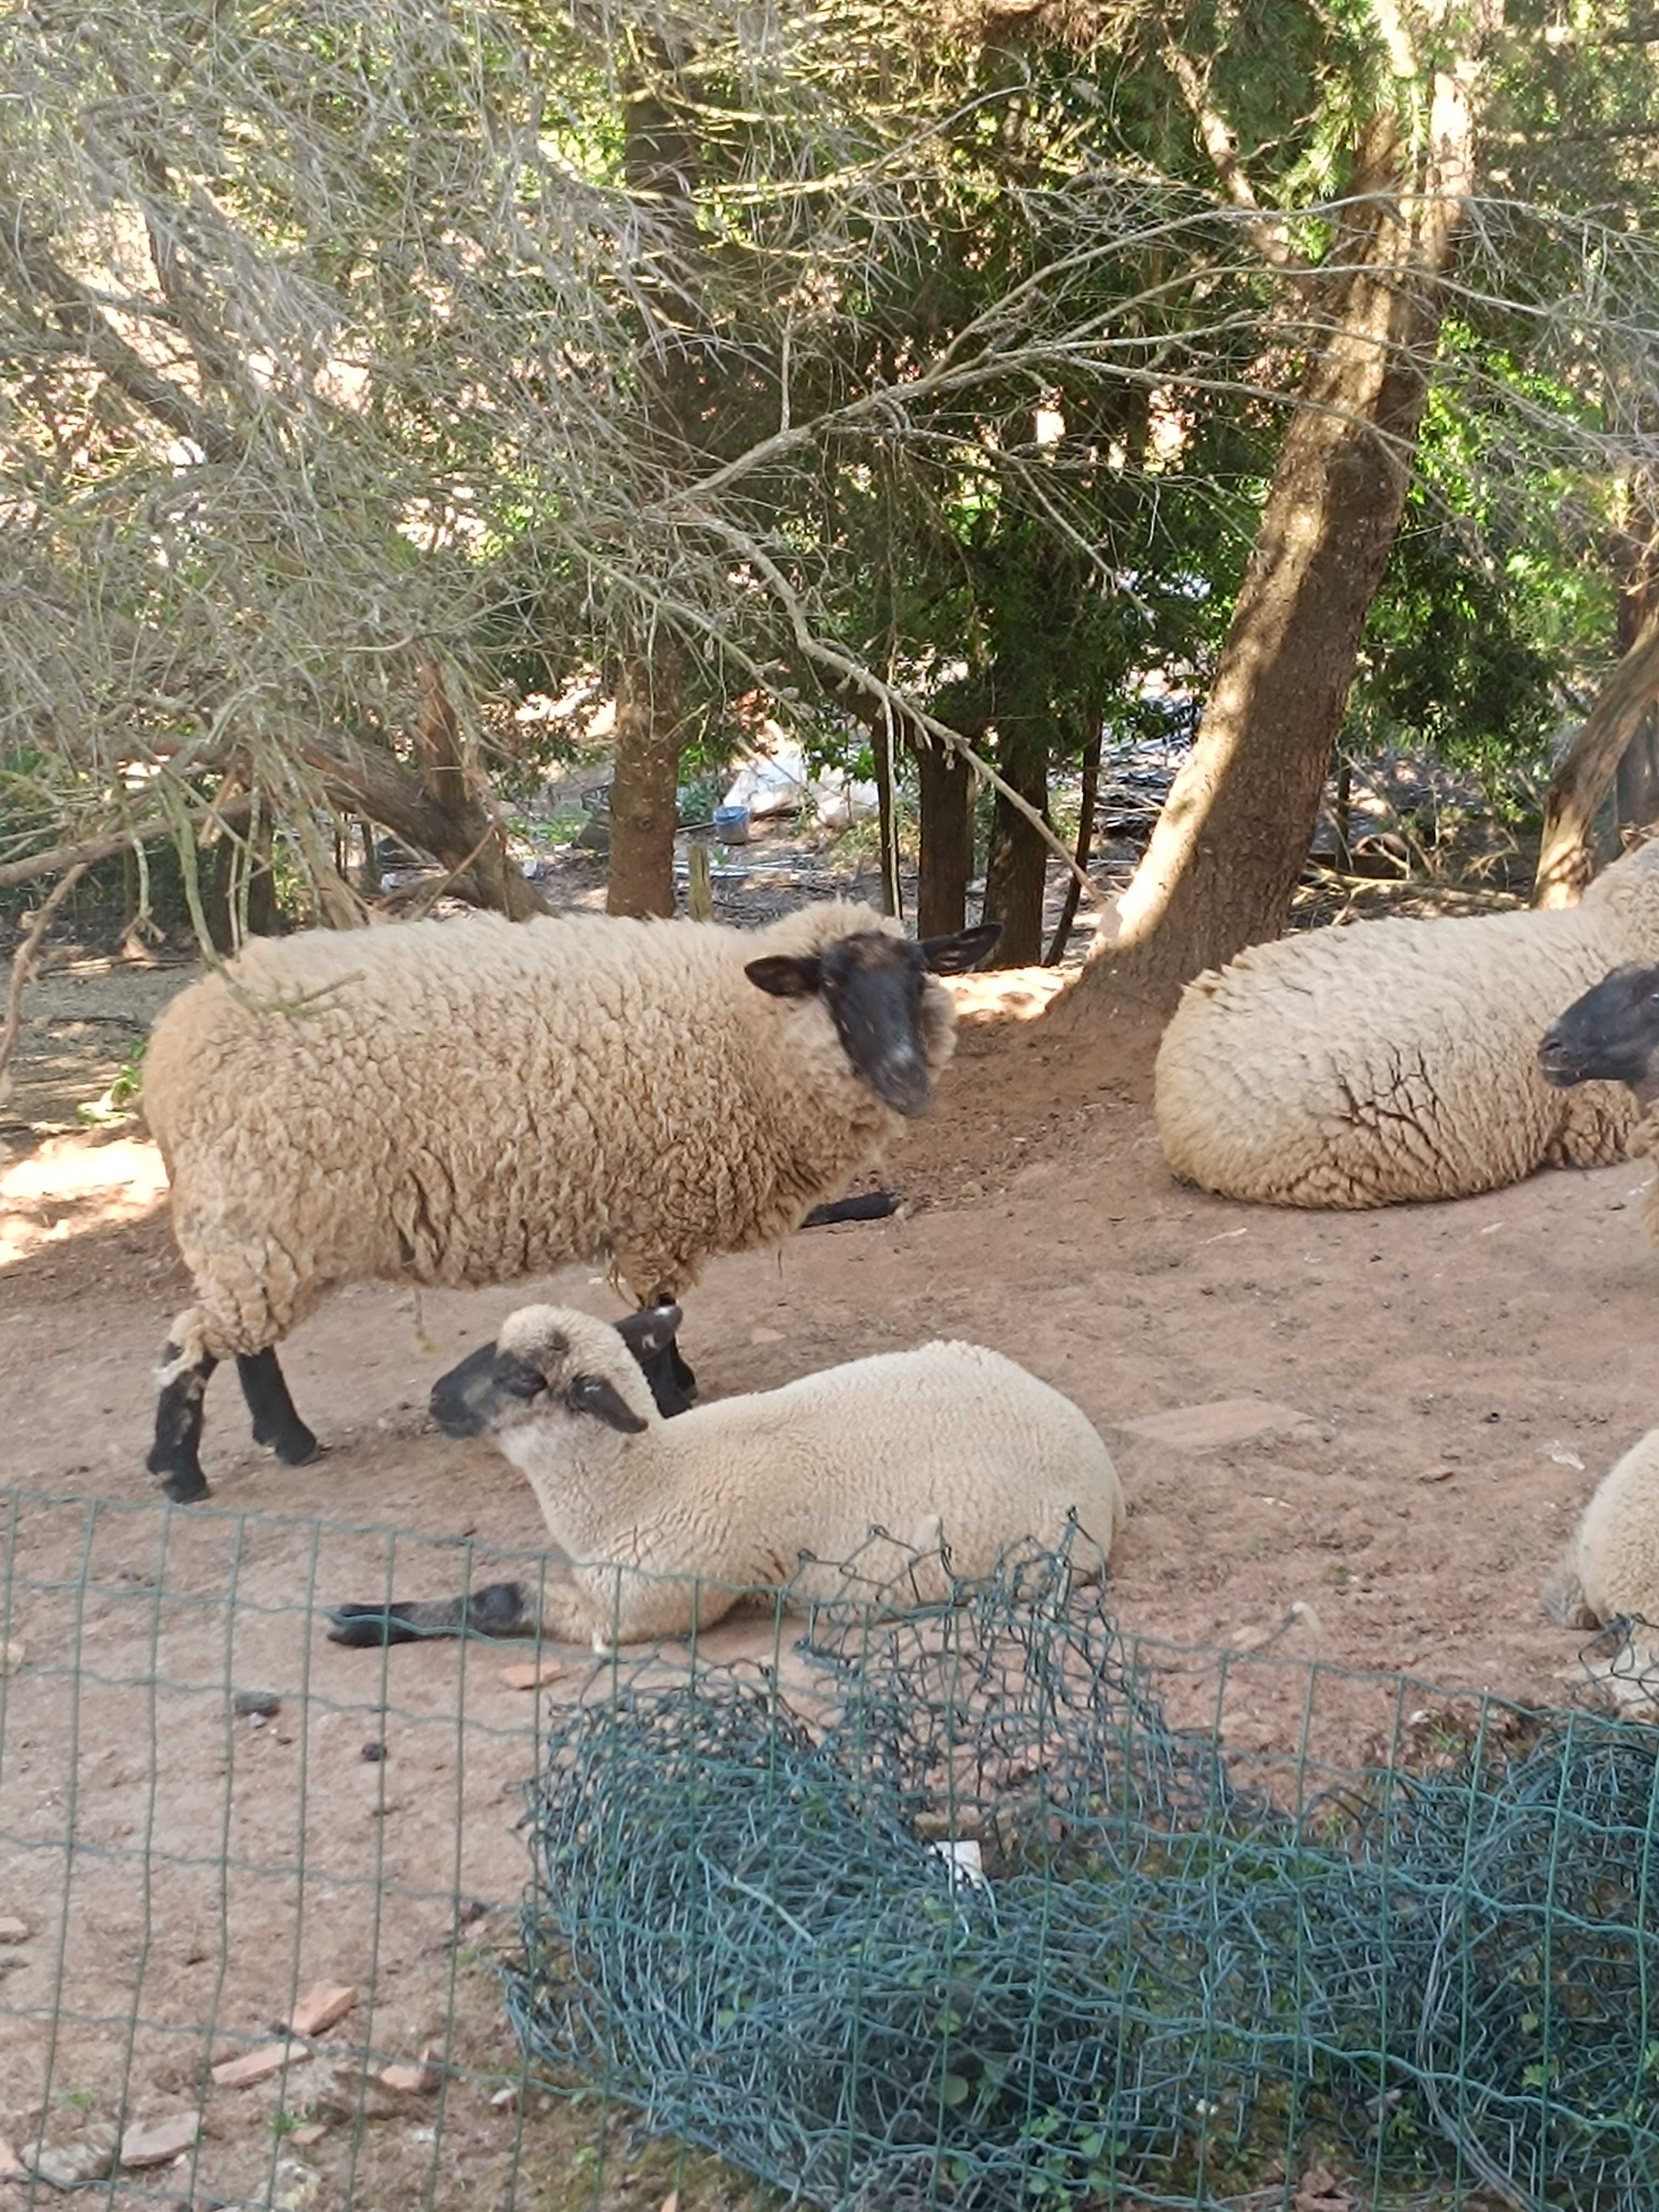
<point x="119" y="1100"/>
<point x="1499" y="602"/>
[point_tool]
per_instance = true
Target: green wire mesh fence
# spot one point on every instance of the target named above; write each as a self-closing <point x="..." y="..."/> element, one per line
<point x="976" y="1906"/>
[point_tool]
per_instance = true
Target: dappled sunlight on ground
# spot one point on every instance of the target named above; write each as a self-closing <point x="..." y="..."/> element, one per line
<point x="74" y="1184"/>
<point x="1007" y="994"/>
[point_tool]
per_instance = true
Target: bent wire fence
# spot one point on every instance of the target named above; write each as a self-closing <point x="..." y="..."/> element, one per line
<point x="978" y="1907"/>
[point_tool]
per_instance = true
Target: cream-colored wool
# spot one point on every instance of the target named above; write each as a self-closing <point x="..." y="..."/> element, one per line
<point x="1611" y="1567"/>
<point x="1392" y="1061"/>
<point x="476" y="1100"/>
<point x="948" y="1444"/>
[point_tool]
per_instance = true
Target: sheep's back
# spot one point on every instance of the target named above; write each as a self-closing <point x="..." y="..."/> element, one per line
<point x="1386" y="1061"/>
<point x="470" y="1101"/>
<point x="950" y="1430"/>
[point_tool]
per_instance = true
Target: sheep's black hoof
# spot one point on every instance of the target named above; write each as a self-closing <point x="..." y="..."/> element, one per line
<point x="185" y="1485"/>
<point x="369" y="1627"/>
<point x="294" y="1447"/>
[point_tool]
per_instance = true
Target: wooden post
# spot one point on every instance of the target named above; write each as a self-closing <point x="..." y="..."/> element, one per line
<point x="700" y="884"/>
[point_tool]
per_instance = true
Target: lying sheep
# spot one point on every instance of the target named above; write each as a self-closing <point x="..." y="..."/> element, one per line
<point x="1611" y="1035"/>
<point x="1610" y="1570"/>
<point x="879" y="1461"/>
<point x="1393" y="1060"/>
<point x="473" y="1102"/>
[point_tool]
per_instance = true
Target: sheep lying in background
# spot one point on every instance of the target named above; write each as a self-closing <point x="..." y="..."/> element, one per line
<point x="1610" y="1569"/>
<point x="473" y="1102"/>
<point x="1611" y="1035"/>
<point x="878" y="1461"/>
<point x="1393" y="1060"/>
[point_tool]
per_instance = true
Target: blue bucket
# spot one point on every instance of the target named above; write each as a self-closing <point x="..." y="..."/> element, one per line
<point x="731" y="824"/>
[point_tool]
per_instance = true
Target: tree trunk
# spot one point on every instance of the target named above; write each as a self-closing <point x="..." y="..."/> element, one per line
<point x="659" y="161"/>
<point x="1566" y="858"/>
<point x="1017" y="867"/>
<point x="225" y="901"/>
<point x="473" y="844"/>
<point x="881" y="750"/>
<point x="946" y="798"/>
<point x="1085" y="838"/>
<point x="644" y="797"/>
<point x="1233" y="836"/>
<point x="1637" y="779"/>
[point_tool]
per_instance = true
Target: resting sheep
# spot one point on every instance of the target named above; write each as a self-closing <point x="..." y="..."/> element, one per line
<point x="474" y="1101"/>
<point x="882" y="1461"/>
<point x="1610" y="1570"/>
<point x="1611" y="1035"/>
<point x="1393" y="1060"/>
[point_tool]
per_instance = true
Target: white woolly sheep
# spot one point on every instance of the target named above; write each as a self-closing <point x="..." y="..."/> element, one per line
<point x="474" y="1101"/>
<point x="1393" y="1060"/>
<point x="1610" y="1569"/>
<point x="1611" y="1035"/>
<point x="894" y="1463"/>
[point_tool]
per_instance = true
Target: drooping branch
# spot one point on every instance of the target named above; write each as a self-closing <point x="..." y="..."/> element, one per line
<point x="35" y="269"/>
<point x="1267" y="234"/>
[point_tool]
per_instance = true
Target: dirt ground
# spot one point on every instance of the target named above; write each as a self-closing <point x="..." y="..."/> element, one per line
<point x="1451" y="1382"/>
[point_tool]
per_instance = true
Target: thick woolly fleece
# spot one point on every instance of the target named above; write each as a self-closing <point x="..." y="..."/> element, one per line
<point x="475" y="1101"/>
<point x="948" y="1443"/>
<point x="1611" y="1567"/>
<point x="1393" y="1060"/>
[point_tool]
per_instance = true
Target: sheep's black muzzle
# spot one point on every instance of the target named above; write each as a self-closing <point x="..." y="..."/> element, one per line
<point x="1610" y="1035"/>
<point x="463" y="1400"/>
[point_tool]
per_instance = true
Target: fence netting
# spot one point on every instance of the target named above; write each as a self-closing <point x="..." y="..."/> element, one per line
<point x="983" y="1905"/>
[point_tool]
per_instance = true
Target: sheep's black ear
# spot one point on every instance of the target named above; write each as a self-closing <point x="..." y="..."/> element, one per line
<point x="782" y="976"/>
<point x="954" y="956"/>
<point x="592" y="1393"/>
<point x="649" y="1331"/>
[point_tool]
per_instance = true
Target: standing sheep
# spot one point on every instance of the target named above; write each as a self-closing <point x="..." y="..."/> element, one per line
<point x="949" y="1445"/>
<point x="1393" y="1060"/>
<point x="1610" y="1569"/>
<point x="1611" y="1035"/>
<point x="473" y="1102"/>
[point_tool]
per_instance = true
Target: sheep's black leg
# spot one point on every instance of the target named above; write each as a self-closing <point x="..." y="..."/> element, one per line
<point x="175" y="1455"/>
<point x="497" y="1609"/>
<point x="673" y="1385"/>
<point x="275" y="1423"/>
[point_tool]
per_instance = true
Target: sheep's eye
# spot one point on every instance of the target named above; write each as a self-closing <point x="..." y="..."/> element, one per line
<point x="518" y="1377"/>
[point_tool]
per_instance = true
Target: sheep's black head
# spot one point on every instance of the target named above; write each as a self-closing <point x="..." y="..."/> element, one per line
<point x="534" y="1362"/>
<point x="872" y="983"/>
<point x="1609" y="1035"/>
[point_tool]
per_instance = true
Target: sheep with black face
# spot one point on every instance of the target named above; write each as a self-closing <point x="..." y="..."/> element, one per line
<point x="476" y="1102"/>
<point x="1611" y="1035"/>
<point x="896" y="1473"/>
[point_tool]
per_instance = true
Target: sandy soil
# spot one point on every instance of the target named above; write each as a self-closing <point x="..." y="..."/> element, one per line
<point x="1451" y="1383"/>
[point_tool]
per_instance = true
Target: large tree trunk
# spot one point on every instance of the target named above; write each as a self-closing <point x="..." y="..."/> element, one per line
<point x="945" y="786"/>
<point x="1566" y="857"/>
<point x="644" y="796"/>
<point x="1016" y="866"/>
<point x="659" y="161"/>
<point x="1233" y="836"/>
